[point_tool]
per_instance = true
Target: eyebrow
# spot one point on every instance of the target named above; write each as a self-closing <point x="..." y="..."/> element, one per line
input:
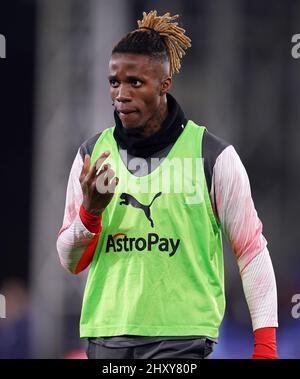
<point x="131" y="77"/>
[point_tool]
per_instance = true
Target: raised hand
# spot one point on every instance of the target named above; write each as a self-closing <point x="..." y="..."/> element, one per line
<point x="98" y="184"/>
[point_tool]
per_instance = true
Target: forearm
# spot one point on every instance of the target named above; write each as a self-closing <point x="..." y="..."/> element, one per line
<point x="259" y="286"/>
<point x="78" y="236"/>
<point x="76" y="244"/>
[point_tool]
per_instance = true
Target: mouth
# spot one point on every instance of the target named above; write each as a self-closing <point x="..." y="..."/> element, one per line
<point x="125" y="112"/>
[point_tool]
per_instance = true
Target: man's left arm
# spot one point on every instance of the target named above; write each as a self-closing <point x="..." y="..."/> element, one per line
<point x="234" y="207"/>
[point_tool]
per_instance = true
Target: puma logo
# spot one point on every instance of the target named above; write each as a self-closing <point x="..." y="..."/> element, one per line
<point x="129" y="199"/>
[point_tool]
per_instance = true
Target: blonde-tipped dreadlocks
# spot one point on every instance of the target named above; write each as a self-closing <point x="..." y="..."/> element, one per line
<point x="175" y="39"/>
<point x="157" y="36"/>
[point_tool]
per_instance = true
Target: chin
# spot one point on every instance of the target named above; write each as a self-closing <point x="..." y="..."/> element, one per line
<point x="132" y="124"/>
<point x="135" y="128"/>
<point x="129" y="125"/>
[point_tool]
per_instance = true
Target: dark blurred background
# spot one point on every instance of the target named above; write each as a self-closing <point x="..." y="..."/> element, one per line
<point x="239" y="79"/>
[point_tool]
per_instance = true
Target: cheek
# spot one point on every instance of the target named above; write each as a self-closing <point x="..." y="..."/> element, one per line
<point x="152" y="102"/>
<point x="150" y="107"/>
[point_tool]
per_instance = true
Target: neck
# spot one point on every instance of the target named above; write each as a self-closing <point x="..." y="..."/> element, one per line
<point x="163" y="130"/>
<point x="155" y="123"/>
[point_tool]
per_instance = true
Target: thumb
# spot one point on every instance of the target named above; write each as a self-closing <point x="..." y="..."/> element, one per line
<point x="86" y="167"/>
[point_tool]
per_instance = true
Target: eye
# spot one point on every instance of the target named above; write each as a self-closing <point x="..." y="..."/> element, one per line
<point x="136" y="83"/>
<point x="114" y="83"/>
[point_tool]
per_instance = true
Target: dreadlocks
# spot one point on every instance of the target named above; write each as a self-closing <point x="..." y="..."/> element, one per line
<point x="159" y="37"/>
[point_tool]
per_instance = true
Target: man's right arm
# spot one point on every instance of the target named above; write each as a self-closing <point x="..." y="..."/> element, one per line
<point x="78" y="236"/>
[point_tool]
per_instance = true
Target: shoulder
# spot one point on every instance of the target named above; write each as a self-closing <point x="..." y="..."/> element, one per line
<point x="212" y="149"/>
<point x="88" y="145"/>
<point x="213" y="145"/>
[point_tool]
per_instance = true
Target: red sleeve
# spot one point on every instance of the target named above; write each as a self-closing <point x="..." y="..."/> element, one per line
<point x="265" y="344"/>
<point x="90" y="221"/>
<point x="93" y="224"/>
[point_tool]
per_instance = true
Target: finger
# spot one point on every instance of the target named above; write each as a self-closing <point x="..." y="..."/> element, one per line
<point x="104" y="179"/>
<point x="100" y="173"/>
<point x="85" y="167"/>
<point x="98" y="164"/>
<point x="113" y="184"/>
<point x="109" y="175"/>
<point x="101" y="159"/>
<point x="103" y="187"/>
<point x="99" y="183"/>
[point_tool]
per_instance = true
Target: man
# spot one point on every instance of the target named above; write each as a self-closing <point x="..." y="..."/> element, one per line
<point x="155" y="286"/>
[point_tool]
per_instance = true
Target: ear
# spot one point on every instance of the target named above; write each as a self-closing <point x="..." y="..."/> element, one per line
<point x="165" y="85"/>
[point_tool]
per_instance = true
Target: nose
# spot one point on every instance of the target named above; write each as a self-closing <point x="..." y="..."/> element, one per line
<point x="123" y="94"/>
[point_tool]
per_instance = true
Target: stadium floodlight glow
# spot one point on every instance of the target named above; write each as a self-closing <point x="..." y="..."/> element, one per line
<point x="2" y="306"/>
<point x="2" y="46"/>
<point x="296" y="48"/>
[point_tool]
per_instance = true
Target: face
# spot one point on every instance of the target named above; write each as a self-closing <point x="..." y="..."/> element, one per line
<point x="138" y="87"/>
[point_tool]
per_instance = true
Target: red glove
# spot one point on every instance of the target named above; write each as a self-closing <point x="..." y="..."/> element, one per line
<point x="265" y="344"/>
